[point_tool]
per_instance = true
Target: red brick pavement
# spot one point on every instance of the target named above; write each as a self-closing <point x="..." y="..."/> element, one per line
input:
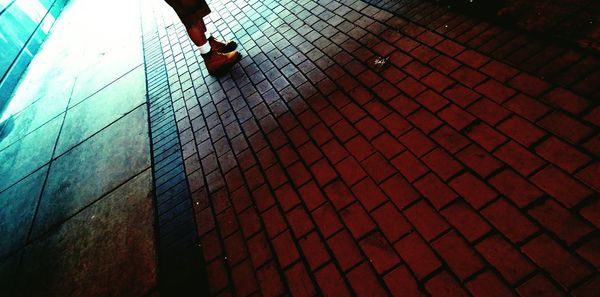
<point x="445" y="172"/>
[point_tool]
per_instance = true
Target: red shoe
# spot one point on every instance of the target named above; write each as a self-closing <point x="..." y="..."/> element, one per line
<point x="222" y="47"/>
<point x="217" y="62"/>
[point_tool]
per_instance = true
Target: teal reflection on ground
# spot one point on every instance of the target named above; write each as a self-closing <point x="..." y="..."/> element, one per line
<point x="24" y="24"/>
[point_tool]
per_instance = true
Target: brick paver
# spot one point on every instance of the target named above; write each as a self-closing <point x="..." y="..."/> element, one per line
<point x="316" y="170"/>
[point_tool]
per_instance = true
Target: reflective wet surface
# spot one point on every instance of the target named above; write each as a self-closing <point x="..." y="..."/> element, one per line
<point x="76" y="208"/>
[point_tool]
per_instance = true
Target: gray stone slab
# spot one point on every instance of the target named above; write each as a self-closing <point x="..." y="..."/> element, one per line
<point x="105" y="250"/>
<point x="17" y="208"/>
<point x="49" y="77"/>
<point x="33" y="117"/>
<point x="28" y="154"/>
<point x="103" y="108"/>
<point x="108" y="65"/>
<point x="94" y="168"/>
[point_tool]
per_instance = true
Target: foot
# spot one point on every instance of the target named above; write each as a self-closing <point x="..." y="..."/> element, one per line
<point x="217" y="62"/>
<point x="221" y="46"/>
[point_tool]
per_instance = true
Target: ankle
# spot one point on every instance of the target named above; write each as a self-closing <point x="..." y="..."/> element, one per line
<point x="205" y="48"/>
<point x="207" y="55"/>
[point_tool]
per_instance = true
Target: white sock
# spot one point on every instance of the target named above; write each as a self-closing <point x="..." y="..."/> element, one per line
<point x="205" y="48"/>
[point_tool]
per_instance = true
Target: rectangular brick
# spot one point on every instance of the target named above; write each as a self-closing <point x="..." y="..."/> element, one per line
<point x="274" y="222"/>
<point x="345" y="250"/>
<point x="498" y="70"/>
<point x="360" y="148"/>
<point x="369" y="194"/>
<point x="550" y="256"/>
<point x="557" y="219"/>
<point x="311" y="195"/>
<point x="509" y="261"/>
<point x="409" y="166"/>
<point x="285" y="249"/>
<point x="527" y="107"/>
<point x="369" y="128"/>
<point x="509" y="221"/>
<point x="516" y="188"/>
<point x="442" y="163"/>
<point x="404" y="105"/>
<point x="432" y="101"/>
<point x="387" y="145"/>
<point x="561" y="186"/>
<point x="467" y="221"/>
<point x="299" y="281"/>
<point x="400" y="191"/>
<point x="424" y="120"/>
<point x="486" y="136"/>
<point x="218" y="278"/>
<point x="450" y="139"/>
<point x="378" y="168"/>
<point x="495" y="90"/>
<point x="339" y="195"/>
<point x="364" y="281"/>
<point x="566" y="100"/>
<point x="488" y="284"/>
<point x="323" y="172"/>
<point x="259" y="250"/>
<point x="416" y="142"/>
<point x="467" y="76"/>
<point x="391" y="222"/>
<point x="331" y="282"/>
<point x="299" y="222"/>
<point x="244" y="281"/>
<point x="396" y="124"/>
<point x="472" y="58"/>
<point x="539" y="285"/>
<point x="426" y="220"/>
<point x="299" y="174"/>
<point x="436" y="191"/>
<point x="562" y="154"/>
<point x="529" y="84"/>
<point x="489" y="111"/>
<point x="473" y="190"/>
<point x="445" y="285"/>
<point x="458" y="255"/>
<point x="519" y="158"/>
<point x="417" y="254"/>
<point x="437" y="81"/>
<point x="344" y="131"/>
<point x="479" y="160"/>
<point x="379" y="252"/>
<point x="357" y="220"/>
<point x="287" y="197"/>
<point x="326" y="220"/>
<point x="402" y="283"/>
<point x="521" y="130"/>
<point x="565" y="126"/>
<point x="314" y="250"/>
<point x="456" y="117"/>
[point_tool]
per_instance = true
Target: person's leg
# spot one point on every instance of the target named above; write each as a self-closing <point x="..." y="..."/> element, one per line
<point x="217" y="56"/>
<point x="198" y="34"/>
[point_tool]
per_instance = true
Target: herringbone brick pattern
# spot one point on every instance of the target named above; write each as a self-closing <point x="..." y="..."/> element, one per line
<point x="345" y="157"/>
